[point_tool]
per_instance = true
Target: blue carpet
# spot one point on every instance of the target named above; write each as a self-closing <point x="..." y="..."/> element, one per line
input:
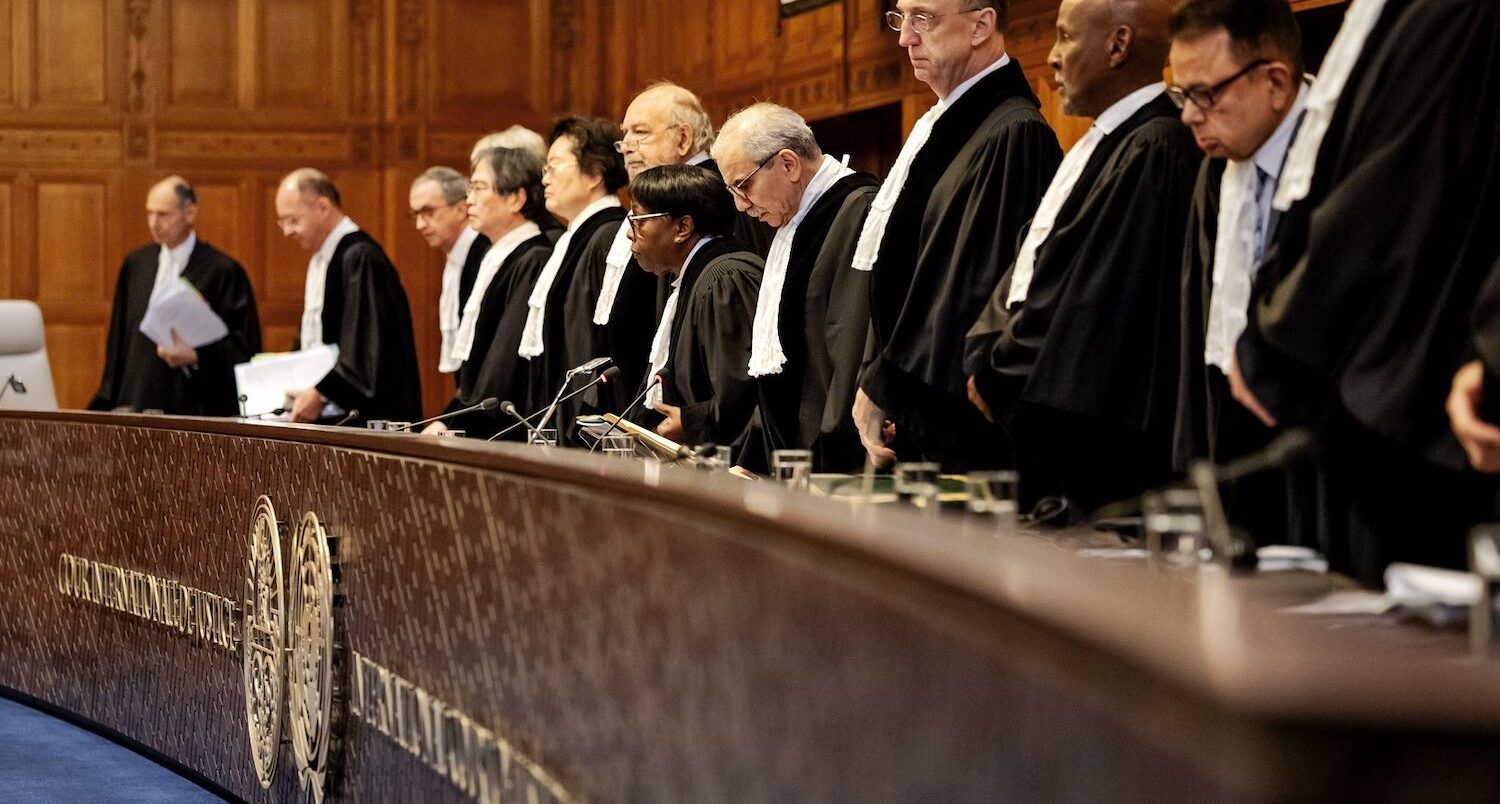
<point x="43" y="760"/>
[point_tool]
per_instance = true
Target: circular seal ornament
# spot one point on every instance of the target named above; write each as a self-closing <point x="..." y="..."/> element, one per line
<point x="315" y="678"/>
<point x="263" y="648"/>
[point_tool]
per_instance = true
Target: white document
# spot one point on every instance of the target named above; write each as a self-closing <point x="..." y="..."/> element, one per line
<point x="265" y="380"/>
<point x="183" y="308"/>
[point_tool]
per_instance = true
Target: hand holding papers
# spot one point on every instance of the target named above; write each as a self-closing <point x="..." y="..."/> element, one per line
<point x="183" y="310"/>
<point x="265" y="380"/>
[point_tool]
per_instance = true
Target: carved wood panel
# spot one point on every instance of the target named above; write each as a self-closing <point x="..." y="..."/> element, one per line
<point x="70" y="52"/>
<point x="203" y="56"/>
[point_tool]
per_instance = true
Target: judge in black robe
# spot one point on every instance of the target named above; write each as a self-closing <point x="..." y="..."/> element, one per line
<point x="506" y="204"/>
<point x="1251" y="122"/>
<point x="353" y="300"/>
<point x="584" y="174"/>
<point x="1082" y="370"/>
<point x="1362" y="317"/>
<point x="136" y="376"/>
<point x="822" y="315"/>
<point x="952" y="230"/>
<point x="680" y="222"/>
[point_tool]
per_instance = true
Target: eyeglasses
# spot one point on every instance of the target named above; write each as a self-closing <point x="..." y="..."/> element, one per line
<point x="921" y="22"/>
<point x="634" y="140"/>
<point x="1205" y="97"/>
<point x="739" y="187"/>
<point x="635" y="220"/>
<point x="552" y="169"/>
<point x="426" y="213"/>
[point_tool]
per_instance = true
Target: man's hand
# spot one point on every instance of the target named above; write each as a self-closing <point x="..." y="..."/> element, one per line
<point x="671" y="426"/>
<point x="435" y="429"/>
<point x="1246" y="397"/>
<point x="307" y="405"/>
<point x="1480" y="439"/>
<point x="978" y="401"/>
<point x="179" y="354"/>
<point x="875" y="432"/>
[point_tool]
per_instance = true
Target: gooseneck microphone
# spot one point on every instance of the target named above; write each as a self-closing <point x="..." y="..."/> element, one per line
<point x="348" y="417"/>
<point x="488" y="403"/>
<point x="609" y="375"/>
<point x="510" y="409"/>
<point x="657" y="379"/>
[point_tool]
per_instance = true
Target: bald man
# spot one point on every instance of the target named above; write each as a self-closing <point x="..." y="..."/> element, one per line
<point x="176" y="377"/>
<point x="1077" y="353"/>
<point x="352" y="299"/>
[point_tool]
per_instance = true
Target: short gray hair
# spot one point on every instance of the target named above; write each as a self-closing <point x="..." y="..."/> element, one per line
<point x="518" y="137"/>
<point x="766" y="128"/>
<point x="453" y="184"/>
<point x="313" y="183"/>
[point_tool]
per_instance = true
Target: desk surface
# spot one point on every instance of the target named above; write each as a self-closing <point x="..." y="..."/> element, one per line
<point x="638" y="631"/>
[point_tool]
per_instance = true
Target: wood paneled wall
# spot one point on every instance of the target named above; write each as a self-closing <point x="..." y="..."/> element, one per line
<point x="101" y="98"/>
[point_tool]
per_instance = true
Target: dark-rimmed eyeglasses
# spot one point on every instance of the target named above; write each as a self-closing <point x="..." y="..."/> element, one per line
<point x="635" y="220"/>
<point x="739" y="187"/>
<point x="921" y="22"/>
<point x="1205" y="97"/>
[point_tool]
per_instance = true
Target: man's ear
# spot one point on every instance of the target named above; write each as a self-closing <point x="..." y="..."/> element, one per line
<point x="1120" y="41"/>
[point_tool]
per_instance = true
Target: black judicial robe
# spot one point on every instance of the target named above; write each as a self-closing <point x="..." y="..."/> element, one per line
<point x="135" y="378"/>
<point x="953" y="230"/>
<point x="1363" y="317"/>
<point x="563" y="336"/>
<point x="470" y="273"/>
<point x="823" y="325"/>
<point x="365" y="313"/>
<point x="1083" y="374"/>
<point x="1210" y="424"/>
<point x="711" y="337"/>
<point x="632" y="322"/>
<point x="1486" y="338"/>
<point x="494" y="369"/>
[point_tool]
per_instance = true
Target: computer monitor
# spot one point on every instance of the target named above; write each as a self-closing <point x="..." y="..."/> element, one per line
<point x="25" y="374"/>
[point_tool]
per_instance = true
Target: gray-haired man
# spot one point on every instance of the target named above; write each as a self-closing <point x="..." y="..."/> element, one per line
<point x="440" y="208"/>
<point x="813" y="312"/>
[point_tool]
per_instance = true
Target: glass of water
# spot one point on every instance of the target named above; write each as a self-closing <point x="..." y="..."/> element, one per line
<point x="618" y="445"/>
<point x="918" y="484"/>
<point x="1173" y="522"/>
<point x="792" y="468"/>
<point x="995" y="495"/>
<point x="377" y="424"/>
<point x="545" y="437"/>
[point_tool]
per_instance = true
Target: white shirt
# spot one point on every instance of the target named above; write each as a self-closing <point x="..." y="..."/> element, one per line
<point x="449" y="313"/>
<point x="766" y="356"/>
<point x="317" y="278"/>
<point x="615" y="263"/>
<point x="698" y="158"/>
<point x="1064" y="181"/>
<point x="500" y="251"/>
<point x="531" y="338"/>
<point x="170" y="262"/>
<point x="879" y="217"/>
<point x="661" y="343"/>
<point x="1245" y="195"/>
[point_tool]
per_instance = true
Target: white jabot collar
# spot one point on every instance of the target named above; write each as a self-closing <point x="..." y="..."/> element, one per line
<point x="661" y="343"/>
<point x="449" y="313"/>
<point x="500" y="251"/>
<point x="532" y="344"/>
<point x="317" y="277"/>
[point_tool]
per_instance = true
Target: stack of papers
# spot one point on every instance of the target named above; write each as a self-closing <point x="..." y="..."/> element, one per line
<point x="265" y="380"/>
<point x="183" y="308"/>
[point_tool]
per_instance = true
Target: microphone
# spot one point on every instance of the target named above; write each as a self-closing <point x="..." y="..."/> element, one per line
<point x="510" y="409"/>
<point x="276" y="412"/>
<point x="12" y="383"/>
<point x="1283" y="449"/>
<point x="590" y="367"/>
<point x="609" y="375"/>
<point x="1227" y="546"/>
<point x="243" y="399"/>
<point x="657" y="379"/>
<point x="348" y="417"/>
<point x="488" y="403"/>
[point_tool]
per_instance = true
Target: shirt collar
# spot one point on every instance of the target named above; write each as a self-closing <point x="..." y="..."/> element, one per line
<point x="1272" y="153"/>
<point x="1127" y="106"/>
<point x="959" y="90"/>
<point x="702" y="241"/>
<point x="460" y="251"/>
<point x="609" y="200"/>
<point x="516" y="237"/>
<point x="179" y="254"/>
<point x="698" y="158"/>
<point x="345" y="227"/>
